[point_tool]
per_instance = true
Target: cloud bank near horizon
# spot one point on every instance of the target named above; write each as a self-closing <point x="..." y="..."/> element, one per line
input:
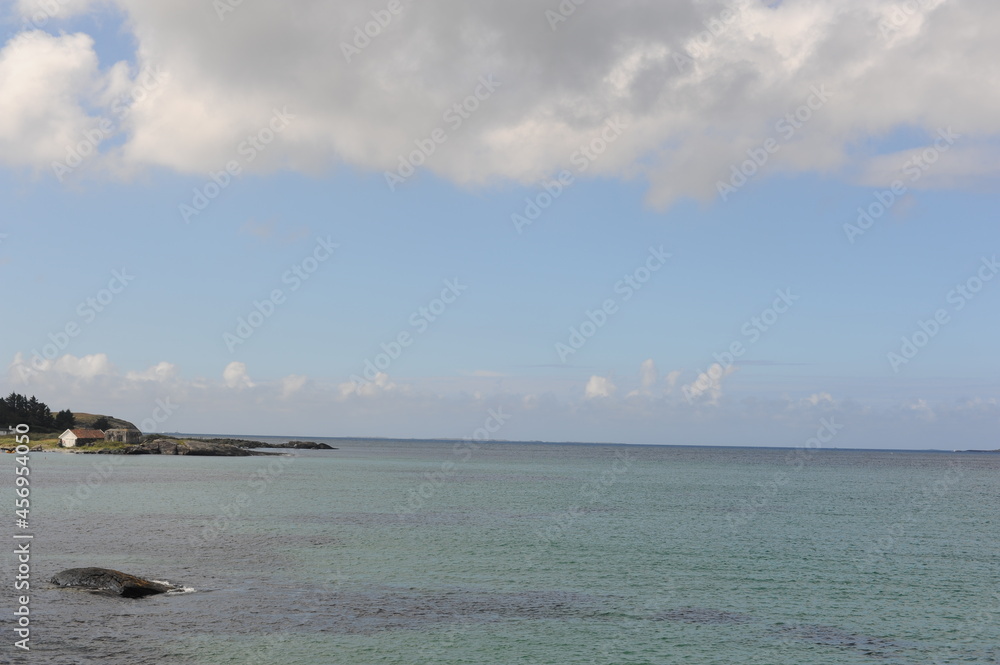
<point x="659" y="410"/>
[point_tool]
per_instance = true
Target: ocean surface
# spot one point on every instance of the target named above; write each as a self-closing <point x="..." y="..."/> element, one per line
<point x="447" y="553"/>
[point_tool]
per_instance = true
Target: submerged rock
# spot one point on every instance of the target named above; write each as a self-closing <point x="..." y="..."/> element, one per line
<point x="113" y="581"/>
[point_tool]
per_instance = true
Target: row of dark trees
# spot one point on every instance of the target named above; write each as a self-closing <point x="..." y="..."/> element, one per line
<point x="18" y="409"/>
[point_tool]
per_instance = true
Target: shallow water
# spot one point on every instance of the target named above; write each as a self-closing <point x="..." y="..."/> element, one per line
<point x="398" y="552"/>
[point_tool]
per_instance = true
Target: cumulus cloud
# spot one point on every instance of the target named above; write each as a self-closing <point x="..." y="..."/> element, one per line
<point x="383" y="408"/>
<point x="235" y="375"/>
<point x="45" y="82"/>
<point x="671" y="380"/>
<point x="380" y="384"/>
<point x="24" y="371"/>
<point x="648" y="374"/>
<point x="930" y="167"/>
<point x="693" y="87"/>
<point x="708" y="386"/>
<point x="162" y="371"/>
<point x="599" y="386"/>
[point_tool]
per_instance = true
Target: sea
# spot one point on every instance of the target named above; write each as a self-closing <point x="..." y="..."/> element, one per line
<point x="453" y="552"/>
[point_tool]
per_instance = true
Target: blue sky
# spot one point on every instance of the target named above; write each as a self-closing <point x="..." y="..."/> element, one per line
<point x="861" y="115"/>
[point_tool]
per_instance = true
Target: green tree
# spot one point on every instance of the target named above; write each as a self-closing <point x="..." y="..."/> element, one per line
<point x="65" y="420"/>
<point x="18" y="409"/>
<point x="102" y="423"/>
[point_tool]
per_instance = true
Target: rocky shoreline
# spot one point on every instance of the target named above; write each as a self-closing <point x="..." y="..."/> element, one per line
<point x="205" y="447"/>
<point x="296" y="445"/>
<point x="171" y="446"/>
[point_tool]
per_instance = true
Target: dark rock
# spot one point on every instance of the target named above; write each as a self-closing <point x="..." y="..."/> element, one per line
<point x="111" y="581"/>
<point x="306" y="445"/>
<point x="244" y="443"/>
<point x="206" y="448"/>
<point x="191" y="447"/>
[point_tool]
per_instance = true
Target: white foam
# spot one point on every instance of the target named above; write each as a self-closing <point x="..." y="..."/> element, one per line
<point x="176" y="590"/>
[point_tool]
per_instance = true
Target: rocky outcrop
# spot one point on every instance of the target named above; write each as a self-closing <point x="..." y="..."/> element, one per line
<point x="188" y="447"/>
<point x="300" y="445"/>
<point x="111" y="581"/>
<point x="297" y="445"/>
<point x="87" y="420"/>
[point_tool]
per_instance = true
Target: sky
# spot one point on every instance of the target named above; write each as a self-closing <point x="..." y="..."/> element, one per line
<point x="687" y="222"/>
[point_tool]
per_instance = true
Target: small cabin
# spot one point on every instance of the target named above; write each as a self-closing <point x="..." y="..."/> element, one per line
<point x="128" y="436"/>
<point x="72" y="438"/>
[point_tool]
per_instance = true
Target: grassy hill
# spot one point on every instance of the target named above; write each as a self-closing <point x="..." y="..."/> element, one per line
<point x="87" y="420"/>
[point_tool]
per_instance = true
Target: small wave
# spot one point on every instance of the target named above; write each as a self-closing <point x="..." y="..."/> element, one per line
<point x="176" y="590"/>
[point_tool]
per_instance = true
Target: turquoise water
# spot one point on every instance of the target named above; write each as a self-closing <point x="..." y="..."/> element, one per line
<point x="397" y="552"/>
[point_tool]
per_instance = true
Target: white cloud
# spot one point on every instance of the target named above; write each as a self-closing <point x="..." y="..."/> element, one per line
<point x="599" y="386"/>
<point x="929" y="168"/>
<point x="921" y="407"/>
<point x="686" y="125"/>
<point x="648" y="374"/>
<point x="44" y="83"/>
<point x="708" y="385"/>
<point x="818" y="398"/>
<point x="292" y="384"/>
<point x="383" y="408"/>
<point x="235" y="375"/>
<point x="381" y="384"/>
<point x="24" y="370"/>
<point x="162" y="371"/>
<point x="671" y="380"/>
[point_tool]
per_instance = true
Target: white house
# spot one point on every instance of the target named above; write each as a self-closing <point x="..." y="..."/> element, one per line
<point x="72" y="438"/>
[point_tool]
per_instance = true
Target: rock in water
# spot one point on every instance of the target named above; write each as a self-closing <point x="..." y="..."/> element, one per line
<point x="104" y="579"/>
<point x="189" y="447"/>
